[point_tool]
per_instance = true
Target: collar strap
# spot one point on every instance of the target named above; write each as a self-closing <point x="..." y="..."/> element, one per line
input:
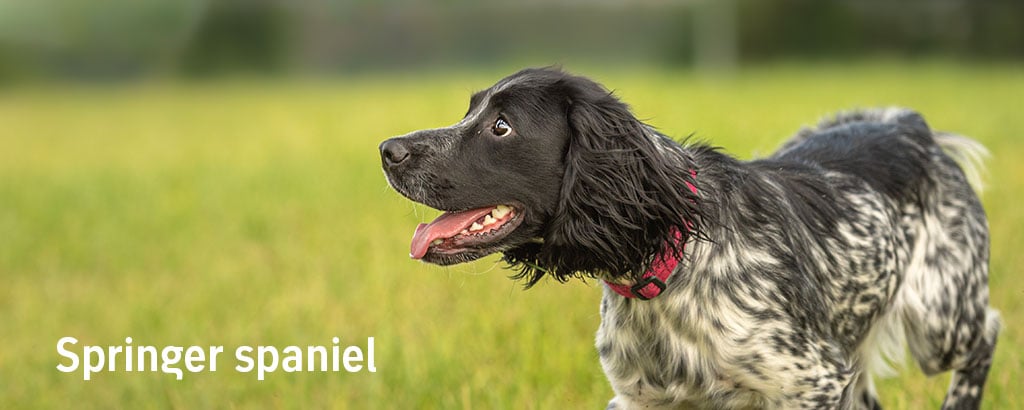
<point x="652" y="283"/>
<point x="655" y="280"/>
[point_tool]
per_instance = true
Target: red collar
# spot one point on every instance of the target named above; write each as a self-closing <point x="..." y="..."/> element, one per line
<point x="654" y="281"/>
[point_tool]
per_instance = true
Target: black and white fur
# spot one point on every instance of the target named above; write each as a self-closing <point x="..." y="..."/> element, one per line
<point x="802" y="273"/>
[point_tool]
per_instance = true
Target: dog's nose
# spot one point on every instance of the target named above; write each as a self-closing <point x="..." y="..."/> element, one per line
<point x="393" y="152"/>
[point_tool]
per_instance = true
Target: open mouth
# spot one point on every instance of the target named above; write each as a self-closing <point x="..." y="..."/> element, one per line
<point x="462" y="231"/>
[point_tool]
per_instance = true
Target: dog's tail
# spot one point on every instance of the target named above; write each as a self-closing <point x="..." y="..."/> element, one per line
<point x="970" y="154"/>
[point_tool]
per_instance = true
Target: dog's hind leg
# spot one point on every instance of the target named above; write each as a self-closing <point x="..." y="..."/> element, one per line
<point x="949" y="325"/>
<point x="944" y="298"/>
<point x="968" y="381"/>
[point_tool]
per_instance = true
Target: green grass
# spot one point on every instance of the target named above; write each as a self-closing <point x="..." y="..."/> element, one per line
<point x="244" y="213"/>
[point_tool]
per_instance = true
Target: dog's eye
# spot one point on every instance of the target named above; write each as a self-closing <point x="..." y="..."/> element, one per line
<point x="501" y="128"/>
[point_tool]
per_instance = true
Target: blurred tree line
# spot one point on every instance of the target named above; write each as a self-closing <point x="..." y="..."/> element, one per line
<point x="116" y="39"/>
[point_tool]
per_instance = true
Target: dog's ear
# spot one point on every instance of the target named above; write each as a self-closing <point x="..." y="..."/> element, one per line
<point x="624" y="194"/>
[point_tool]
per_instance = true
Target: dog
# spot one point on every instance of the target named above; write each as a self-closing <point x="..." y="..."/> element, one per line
<point x="784" y="282"/>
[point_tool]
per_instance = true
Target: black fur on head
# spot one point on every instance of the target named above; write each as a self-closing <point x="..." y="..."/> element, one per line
<point x="595" y="192"/>
<point x="624" y="195"/>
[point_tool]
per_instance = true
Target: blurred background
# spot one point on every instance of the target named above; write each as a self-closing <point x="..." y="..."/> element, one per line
<point x="104" y="40"/>
<point x="206" y="172"/>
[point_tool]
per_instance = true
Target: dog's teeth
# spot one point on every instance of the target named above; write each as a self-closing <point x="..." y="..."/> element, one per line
<point x="464" y="232"/>
<point x="475" y="227"/>
<point x="437" y="242"/>
<point x="500" y="211"/>
<point x="488" y="220"/>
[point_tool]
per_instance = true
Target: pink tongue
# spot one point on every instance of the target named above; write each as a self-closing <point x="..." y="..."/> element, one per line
<point x="445" y="226"/>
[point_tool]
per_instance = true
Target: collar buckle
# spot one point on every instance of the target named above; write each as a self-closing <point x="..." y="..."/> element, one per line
<point x="643" y="283"/>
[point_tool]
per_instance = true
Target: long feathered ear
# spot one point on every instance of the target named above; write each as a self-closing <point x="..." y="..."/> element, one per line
<point x="624" y="194"/>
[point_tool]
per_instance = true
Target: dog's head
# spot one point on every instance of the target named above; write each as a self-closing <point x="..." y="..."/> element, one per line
<point x="553" y="171"/>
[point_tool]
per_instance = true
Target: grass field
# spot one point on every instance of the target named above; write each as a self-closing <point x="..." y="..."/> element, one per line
<point x="243" y="213"/>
